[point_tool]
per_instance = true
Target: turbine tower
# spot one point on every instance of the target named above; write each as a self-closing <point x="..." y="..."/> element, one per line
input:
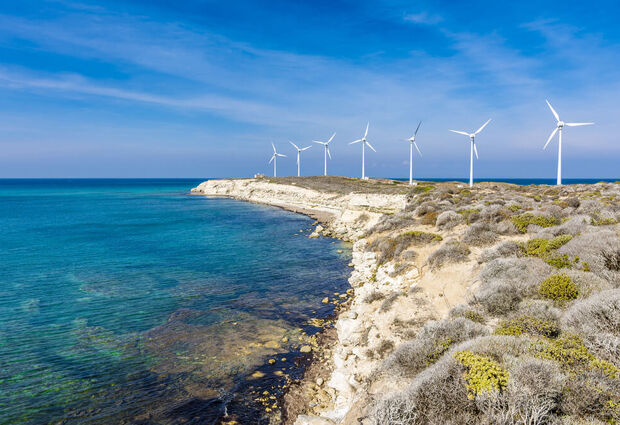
<point x="274" y="158"/>
<point x="364" y="143"/>
<point x="472" y="150"/>
<point x="299" y="150"/>
<point x="559" y="126"/>
<point x="412" y="143"/>
<point x="326" y="151"/>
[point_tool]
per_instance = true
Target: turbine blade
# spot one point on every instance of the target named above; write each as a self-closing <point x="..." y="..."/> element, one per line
<point x="296" y="147"/>
<point x="550" y="137"/>
<point x="460" y="132"/>
<point x="578" y="124"/>
<point x="274" y="147"/>
<point x="483" y="125"/>
<point x="366" y="133"/>
<point x="320" y="143"/>
<point x="329" y="154"/>
<point x="555" y="114"/>
<point x="416" y="130"/>
<point x="475" y="151"/>
<point x="307" y="147"/>
<point x="370" y="146"/>
<point x="355" y="141"/>
<point x="417" y="148"/>
<point x="281" y="154"/>
<point x="272" y="157"/>
<point x="331" y="138"/>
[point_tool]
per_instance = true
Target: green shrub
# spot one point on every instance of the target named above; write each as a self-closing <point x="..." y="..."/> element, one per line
<point x="521" y="221"/>
<point x="528" y="325"/>
<point x="474" y="316"/>
<point x="572" y="355"/>
<point x="559" y="261"/>
<point x="484" y="375"/>
<point x="603" y="221"/>
<point x="558" y="287"/>
<point x="514" y="207"/>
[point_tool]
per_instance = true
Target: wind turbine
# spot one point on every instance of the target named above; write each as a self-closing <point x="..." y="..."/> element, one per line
<point x="299" y="150"/>
<point x="411" y="145"/>
<point x="326" y="153"/>
<point x="472" y="149"/>
<point x="364" y="143"/>
<point x="274" y="158"/>
<point x="558" y="128"/>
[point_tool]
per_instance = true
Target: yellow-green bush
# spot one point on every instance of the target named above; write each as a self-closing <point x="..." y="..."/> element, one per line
<point x="514" y="207"/>
<point x="544" y="248"/>
<point x="603" y="221"/>
<point x="483" y="373"/>
<point x="474" y="316"/>
<point x="439" y="348"/>
<point x="572" y="355"/>
<point x="528" y="324"/>
<point x="558" y="287"/>
<point x="521" y="221"/>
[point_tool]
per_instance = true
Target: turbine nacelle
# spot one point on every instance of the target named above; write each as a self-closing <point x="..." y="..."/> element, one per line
<point x="560" y="124"/>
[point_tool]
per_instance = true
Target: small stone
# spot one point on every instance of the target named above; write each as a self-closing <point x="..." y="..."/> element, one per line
<point x="325" y="300"/>
<point x="285" y="339"/>
<point x="258" y="374"/>
<point x="319" y="381"/>
<point x="271" y="361"/>
<point x="305" y="349"/>
<point x="283" y="359"/>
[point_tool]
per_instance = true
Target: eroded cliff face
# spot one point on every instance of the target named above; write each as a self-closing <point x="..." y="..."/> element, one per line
<point x="346" y="216"/>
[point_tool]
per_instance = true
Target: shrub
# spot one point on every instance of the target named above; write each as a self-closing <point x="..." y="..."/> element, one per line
<point x="433" y="340"/>
<point x="479" y="234"/>
<point x="466" y="213"/>
<point x="523" y="274"/>
<point x="543" y="247"/>
<point x="559" y="287"/>
<point x="522" y="221"/>
<point x="528" y="325"/>
<point x="436" y="396"/>
<point x="386" y="305"/>
<point x="467" y="312"/>
<point x="429" y="218"/>
<point x="448" y="220"/>
<point x="569" y="351"/>
<point x="499" y="298"/>
<point x="611" y="260"/>
<point x="450" y="252"/>
<point x="373" y="296"/>
<point x="514" y="207"/>
<point x="603" y="221"/>
<point x="484" y="375"/>
<point x="390" y="248"/>
<point x="504" y="249"/>
<point x="599" y="313"/>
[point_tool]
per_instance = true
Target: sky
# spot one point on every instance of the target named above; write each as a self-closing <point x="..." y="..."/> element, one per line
<point x="159" y="88"/>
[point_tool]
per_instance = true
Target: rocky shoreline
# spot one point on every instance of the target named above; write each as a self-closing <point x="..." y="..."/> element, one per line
<point x="333" y="389"/>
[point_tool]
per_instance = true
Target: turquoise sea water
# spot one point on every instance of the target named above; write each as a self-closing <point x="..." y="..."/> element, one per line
<point x="129" y="301"/>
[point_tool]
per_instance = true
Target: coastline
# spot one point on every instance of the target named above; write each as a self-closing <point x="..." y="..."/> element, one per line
<point x="396" y="292"/>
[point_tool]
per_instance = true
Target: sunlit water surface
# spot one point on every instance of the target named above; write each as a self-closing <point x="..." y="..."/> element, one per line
<point x="129" y="301"/>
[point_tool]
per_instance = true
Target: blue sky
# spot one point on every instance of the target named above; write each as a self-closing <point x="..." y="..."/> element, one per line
<point x="154" y="88"/>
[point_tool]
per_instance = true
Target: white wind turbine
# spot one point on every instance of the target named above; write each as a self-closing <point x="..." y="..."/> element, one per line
<point x="472" y="149"/>
<point x="412" y="143"/>
<point x="558" y="128"/>
<point x="364" y="143"/>
<point x="274" y="158"/>
<point x="326" y="146"/>
<point x="299" y="151"/>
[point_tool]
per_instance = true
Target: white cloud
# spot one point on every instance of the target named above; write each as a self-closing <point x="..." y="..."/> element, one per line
<point x="423" y="18"/>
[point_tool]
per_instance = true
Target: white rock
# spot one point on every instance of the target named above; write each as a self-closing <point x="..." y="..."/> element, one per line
<point x="313" y="420"/>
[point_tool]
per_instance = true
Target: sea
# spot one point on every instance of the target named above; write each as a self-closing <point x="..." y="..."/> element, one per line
<point x="134" y="302"/>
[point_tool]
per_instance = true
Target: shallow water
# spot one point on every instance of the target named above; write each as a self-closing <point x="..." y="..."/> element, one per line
<point x="129" y="301"/>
